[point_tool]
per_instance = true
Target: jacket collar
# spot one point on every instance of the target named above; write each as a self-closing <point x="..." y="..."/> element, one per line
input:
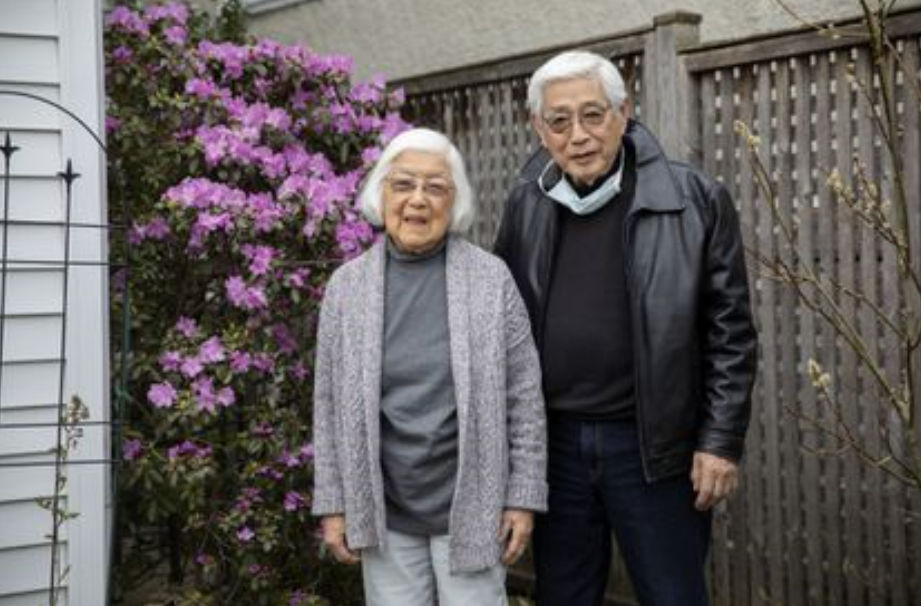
<point x="657" y="188"/>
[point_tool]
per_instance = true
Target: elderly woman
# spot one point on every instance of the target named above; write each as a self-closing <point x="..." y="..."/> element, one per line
<point x="429" y="422"/>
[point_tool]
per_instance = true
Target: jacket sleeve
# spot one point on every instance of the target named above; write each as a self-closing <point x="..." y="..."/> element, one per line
<point x="527" y="425"/>
<point x="730" y="342"/>
<point x="327" y="479"/>
<point x="505" y="236"/>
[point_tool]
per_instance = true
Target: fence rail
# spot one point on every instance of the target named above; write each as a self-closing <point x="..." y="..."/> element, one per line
<point x="803" y="529"/>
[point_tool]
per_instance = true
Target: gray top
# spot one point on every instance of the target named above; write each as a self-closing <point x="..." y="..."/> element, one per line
<point x="501" y="428"/>
<point x="418" y="412"/>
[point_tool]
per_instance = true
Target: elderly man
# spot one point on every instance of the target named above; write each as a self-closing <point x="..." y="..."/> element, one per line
<point x="632" y="270"/>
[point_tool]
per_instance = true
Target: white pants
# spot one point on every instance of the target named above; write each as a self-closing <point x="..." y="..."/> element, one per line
<point x="412" y="570"/>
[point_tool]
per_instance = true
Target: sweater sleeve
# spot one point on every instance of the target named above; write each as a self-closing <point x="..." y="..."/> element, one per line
<point x="327" y="491"/>
<point x="527" y="425"/>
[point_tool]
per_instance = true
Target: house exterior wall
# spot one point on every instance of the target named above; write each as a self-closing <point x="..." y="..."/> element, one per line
<point x="404" y="38"/>
<point x="52" y="48"/>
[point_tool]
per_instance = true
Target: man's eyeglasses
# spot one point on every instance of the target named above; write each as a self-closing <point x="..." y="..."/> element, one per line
<point x="590" y="117"/>
<point x="436" y="188"/>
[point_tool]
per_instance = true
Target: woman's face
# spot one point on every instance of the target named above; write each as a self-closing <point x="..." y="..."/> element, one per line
<point x="418" y="196"/>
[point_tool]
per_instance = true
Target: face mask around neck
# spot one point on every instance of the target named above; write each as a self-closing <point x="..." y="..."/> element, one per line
<point x="563" y="193"/>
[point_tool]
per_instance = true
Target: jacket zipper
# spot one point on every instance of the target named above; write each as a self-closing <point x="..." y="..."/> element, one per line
<point x="628" y="274"/>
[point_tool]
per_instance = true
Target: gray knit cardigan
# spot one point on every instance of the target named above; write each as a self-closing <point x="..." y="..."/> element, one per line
<point x="500" y="410"/>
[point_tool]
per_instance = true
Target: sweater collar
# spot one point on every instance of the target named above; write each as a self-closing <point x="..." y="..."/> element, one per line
<point x="407" y="257"/>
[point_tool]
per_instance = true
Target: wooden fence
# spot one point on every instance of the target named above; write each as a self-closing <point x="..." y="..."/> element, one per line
<point x="803" y="529"/>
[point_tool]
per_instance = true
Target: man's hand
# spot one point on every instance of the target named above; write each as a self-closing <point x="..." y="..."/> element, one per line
<point x="714" y="478"/>
<point x="334" y="538"/>
<point x="515" y="532"/>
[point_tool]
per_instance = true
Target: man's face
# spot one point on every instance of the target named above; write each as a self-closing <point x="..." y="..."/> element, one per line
<point x="579" y="128"/>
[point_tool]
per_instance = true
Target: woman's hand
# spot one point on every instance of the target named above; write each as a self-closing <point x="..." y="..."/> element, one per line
<point x="334" y="538"/>
<point x="515" y="532"/>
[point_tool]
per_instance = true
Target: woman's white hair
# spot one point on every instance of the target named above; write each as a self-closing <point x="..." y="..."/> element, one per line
<point x="371" y="197"/>
<point x="576" y="64"/>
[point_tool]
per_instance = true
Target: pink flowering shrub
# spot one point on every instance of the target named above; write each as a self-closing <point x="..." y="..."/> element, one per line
<point x="234" y="165"/>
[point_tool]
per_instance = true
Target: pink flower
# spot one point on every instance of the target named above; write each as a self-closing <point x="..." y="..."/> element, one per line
<point x="245" y="534"/>
<point x="352" y="237"/>
<point x="299" y="371"/>
<point x="188" y="448"/>
<point x="393" y="126"/>
<point x="175" y="11"/>
<point x="273" y="165"/>
<point x="235" y="287"/>
<point x="263" y="362"/>
<point x="187" y="327"/>
<point x="155" y="229"/>
<point x="284" y="338"/>
<point x="255" y="298"/>
<point x="131" y="449"/>
<point x="170" y="361"/>
<point x="208" y="222"/>
<point x="265" y="212"/>
<point x="263" y="430"/>
<point x="370" y="155"/>
<point x="124" y="18"/>
<point x="203" y="388"/>
<point x="289" y="460"/>
<point x="397" y="97"/>
<point x="122" y="54"/>
<point x="307" y="452"/>
<point x="267" y="471"/>
<point x="278" y="119"/>
<point x="294" y="501"/>
<point x="201" y="88"/>
<point x="260" y="257"/>
<point x="243" y="296"/>
<point x="211" y="351"/>
<point x="176" y="35"/>
<point x="297" y="278"/>
<point x="240" y="361"/>
<point x="226" y="397"/>
<point x="191" y="366"/>
<point x="112" y="124"/>
<point x="369" y="92"/>
<point x="162" y="395"/>
<point x="230" y="55"/>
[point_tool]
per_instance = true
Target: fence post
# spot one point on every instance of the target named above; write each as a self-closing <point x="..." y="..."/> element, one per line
<point x="666" y="84"/>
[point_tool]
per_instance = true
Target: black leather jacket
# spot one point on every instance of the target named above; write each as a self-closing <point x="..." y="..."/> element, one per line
<point x="693" y="338"/>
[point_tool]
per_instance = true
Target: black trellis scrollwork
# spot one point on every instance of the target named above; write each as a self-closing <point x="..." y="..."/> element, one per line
<point x="71" y="417"/>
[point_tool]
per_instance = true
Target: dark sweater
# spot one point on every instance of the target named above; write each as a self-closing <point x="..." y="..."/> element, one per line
<point x="587" y="351"/>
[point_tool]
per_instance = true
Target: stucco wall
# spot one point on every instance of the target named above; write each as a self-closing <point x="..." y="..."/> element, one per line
<point x="403" y="38"/>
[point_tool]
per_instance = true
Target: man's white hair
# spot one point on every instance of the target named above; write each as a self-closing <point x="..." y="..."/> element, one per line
<point x="569" y="65"/>
<point x="371" y="197"/>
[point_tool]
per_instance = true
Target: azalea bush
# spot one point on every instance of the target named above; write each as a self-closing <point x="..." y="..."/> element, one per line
<point x="233" y="165"/>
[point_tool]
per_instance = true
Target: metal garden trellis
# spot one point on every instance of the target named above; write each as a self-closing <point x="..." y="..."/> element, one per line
<point x="60" y="462"/>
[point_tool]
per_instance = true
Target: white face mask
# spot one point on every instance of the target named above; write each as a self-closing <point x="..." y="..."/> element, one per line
<point x="564" y="194"/>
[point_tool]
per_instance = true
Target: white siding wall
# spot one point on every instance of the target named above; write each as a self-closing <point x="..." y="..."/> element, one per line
<point x="52" y="48"/>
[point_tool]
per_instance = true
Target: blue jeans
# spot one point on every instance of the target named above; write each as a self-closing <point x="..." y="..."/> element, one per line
<point x="596" y="487"/>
